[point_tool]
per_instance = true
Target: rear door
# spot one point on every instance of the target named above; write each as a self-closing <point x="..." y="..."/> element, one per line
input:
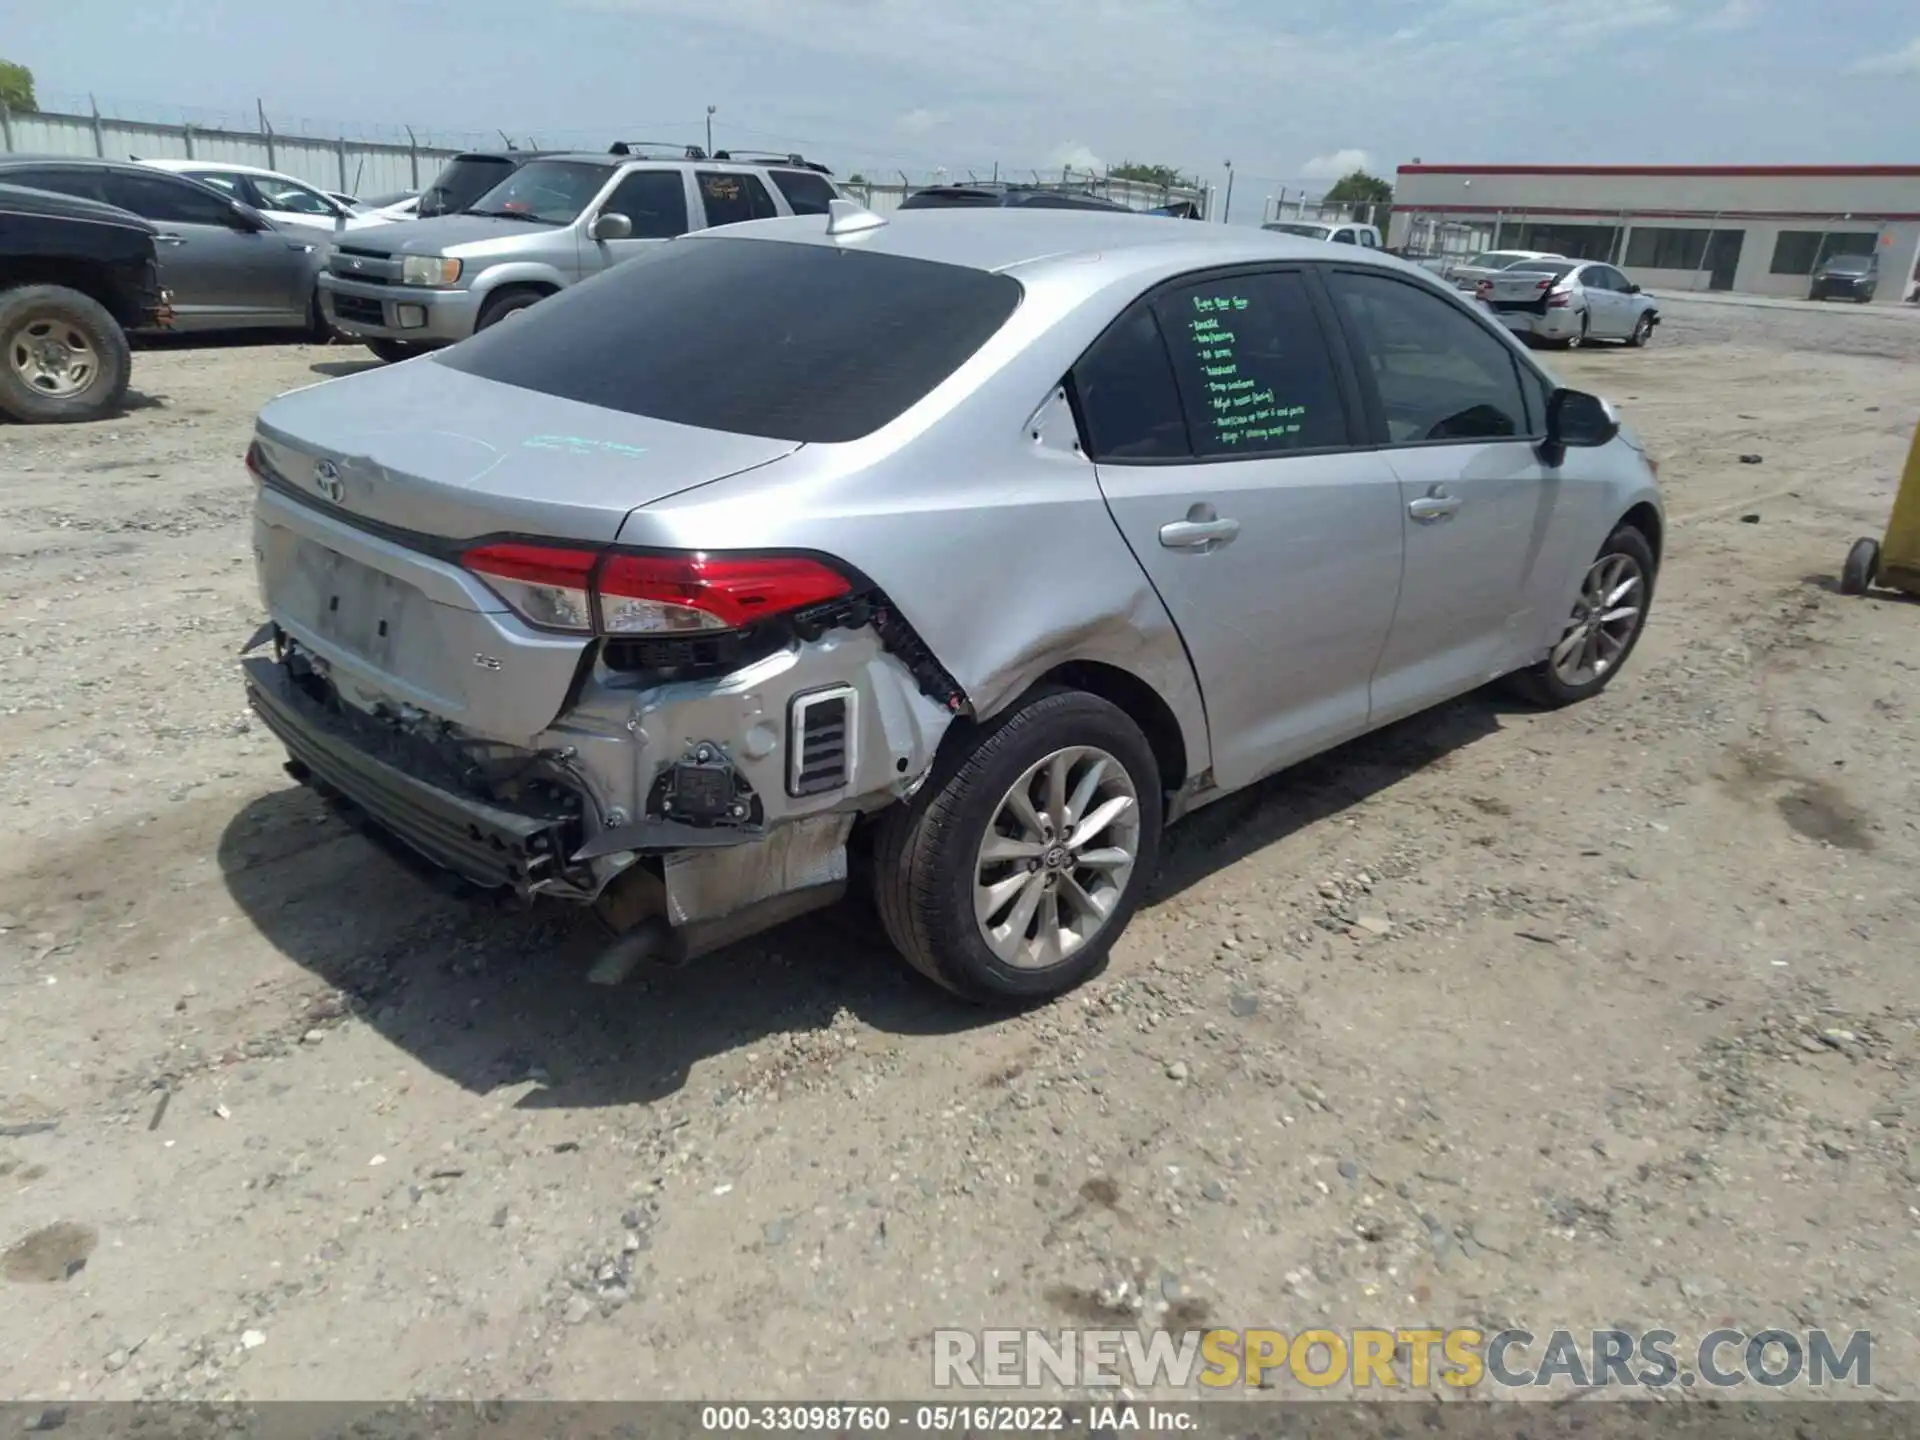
<point x="1225" y="427"/>
<point x="1460" y="419"/>
<point x="728" y="197"/>
<point x="220" y="273"/>
<point x="656" y="204"/>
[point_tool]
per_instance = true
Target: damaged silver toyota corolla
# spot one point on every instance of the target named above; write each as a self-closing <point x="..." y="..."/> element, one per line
<point x="975" y="544"/>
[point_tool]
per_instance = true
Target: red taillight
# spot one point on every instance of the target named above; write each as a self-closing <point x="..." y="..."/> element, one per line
<point x="1557" y="302"/>
<point x="653" y="594"/>
<point x="1546" y="284"/>
<point x="1483" y="289"/>
<point x="565" y="589"/>
<point x="545" y="585"/>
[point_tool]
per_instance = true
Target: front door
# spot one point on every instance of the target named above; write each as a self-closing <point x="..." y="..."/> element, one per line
<point x="1226" y="436"/>
<point x="655" y="204"/>
<point x="1448" y="398"/>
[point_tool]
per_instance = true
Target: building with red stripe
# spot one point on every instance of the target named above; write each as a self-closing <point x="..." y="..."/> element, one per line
<point x="1757" y="229"/>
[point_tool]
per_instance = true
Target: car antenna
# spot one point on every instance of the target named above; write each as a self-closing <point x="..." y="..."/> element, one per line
<point x="847" y="217"/>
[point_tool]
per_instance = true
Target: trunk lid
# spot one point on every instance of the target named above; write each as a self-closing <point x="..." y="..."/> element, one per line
<point x="423" y="448"/>
<point x="1519" y="289"/>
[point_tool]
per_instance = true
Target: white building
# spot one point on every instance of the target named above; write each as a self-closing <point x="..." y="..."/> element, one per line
<point x="1759" y="229"/>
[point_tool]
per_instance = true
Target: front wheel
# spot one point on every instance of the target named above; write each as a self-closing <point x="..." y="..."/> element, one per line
<point x="63" y="358"/>
<point x="1011" y="873"/>
<point x="1609" y="615"/>
<point x="1642" y="332"/>
<point x="1862" y="568"/>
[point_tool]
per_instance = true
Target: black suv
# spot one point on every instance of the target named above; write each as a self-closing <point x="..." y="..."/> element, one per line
<point x="75" y="276"/>
<point x="1000" y="193"/>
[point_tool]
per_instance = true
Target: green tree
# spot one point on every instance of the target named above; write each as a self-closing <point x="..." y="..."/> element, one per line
<point x="856" y="178"/>
<point x="16" y="86"/>
<point x="1360" y="188"/>
<point x="1165" y="176"/>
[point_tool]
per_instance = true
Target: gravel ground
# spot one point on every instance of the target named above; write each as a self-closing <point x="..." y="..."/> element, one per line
<point x="1578" y="1019"/>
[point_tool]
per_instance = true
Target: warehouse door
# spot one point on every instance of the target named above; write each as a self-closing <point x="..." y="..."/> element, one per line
<point x="1723" y="258"/>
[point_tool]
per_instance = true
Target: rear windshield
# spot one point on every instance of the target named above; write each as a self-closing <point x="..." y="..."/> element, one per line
<point x="464" y="180"/>
<point x="1555" y="268"/>
<point x="946" y="199"/>
<point x="801" y="342"/>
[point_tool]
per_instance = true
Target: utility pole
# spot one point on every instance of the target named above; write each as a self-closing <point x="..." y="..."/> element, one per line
<point x="1226" y="210"/>
<point x="712" y="110"/>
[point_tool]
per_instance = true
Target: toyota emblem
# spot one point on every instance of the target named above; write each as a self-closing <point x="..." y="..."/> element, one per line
<point x="326" y="479"/>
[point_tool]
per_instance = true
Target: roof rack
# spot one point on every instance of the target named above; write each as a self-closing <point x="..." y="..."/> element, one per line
<point x="633" y="149"/>
<point x="779" y="157"/>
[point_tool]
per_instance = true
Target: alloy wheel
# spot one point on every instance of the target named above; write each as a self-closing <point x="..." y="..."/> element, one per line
<point x="1606" y="617"/>
<point x="1055" y="861"/>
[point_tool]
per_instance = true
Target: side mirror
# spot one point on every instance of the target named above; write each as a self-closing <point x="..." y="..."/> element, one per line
<point x="247" y="219"/>
<point x="610" y="225"/>
<point x="1633" y="289"/>
<point x="1577" y="420"/>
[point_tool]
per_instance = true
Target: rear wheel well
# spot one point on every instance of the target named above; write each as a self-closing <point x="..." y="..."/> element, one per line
<point x="96" y="282"/>
<point x="1142" y="704"/>
<point x="1644" y="518"/>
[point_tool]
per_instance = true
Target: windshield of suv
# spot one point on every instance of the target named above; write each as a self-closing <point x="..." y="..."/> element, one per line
<point x="1847" y="264"/>
<point x="816" y="344"/>
<point x="553" y="192"/>
<point x="464" y="180"/>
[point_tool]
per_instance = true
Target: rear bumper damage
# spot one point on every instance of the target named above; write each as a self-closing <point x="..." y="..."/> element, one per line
<point x="689" y="814"/>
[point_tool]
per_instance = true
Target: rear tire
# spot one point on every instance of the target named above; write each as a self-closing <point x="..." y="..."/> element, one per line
<point x="1002" y="791"/>
<point x="393" y="351"/>
<point x="63" y="357"/>
<point x="1862" y="568"/>
<point x="1593" y="648"/>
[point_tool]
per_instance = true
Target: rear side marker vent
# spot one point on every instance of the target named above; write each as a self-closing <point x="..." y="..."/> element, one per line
<point x="821" y="735"/>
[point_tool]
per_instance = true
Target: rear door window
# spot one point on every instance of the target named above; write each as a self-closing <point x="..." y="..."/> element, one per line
<point x="654" y="200"/>
<point x="62" y="180"/>
<point x="817" y="344"/>
<point x="1255" y="369"/>
<point x="806" y="192"/>
<point x="730" y="198"/>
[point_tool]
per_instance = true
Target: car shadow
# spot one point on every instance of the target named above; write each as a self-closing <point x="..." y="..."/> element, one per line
<point x="219" y="339"/>
<point x="487" y="998"/>
<point x="340" y="369"/>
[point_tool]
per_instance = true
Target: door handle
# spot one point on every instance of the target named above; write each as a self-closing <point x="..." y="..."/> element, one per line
<point x="1436" y="504"/>
<point x="169" y="239"/>
<point x="1198" y="534"/>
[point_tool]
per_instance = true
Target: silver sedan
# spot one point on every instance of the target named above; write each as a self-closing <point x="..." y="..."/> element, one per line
<point x="976" y="544"/>
<point x="1570" y="302"/>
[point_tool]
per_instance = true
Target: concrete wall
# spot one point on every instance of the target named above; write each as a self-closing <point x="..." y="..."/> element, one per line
<point x="1760" y="201"/>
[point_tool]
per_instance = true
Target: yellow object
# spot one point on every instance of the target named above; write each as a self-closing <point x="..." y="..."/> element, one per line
<point x="1900" y="550"/>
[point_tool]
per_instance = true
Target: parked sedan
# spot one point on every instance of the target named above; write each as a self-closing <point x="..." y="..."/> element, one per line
<point x="1029" y="532"/>
<point x="1467" y="275"/>
<point x="1846" y="277"/>
<point x="1569" y="302"/>
<point x="228" y="266"/>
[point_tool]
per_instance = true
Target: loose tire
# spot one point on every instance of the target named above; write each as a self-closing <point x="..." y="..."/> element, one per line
<point x="393" y="351"/>
<point x="1609" y="616"/>
<point x="1012" y="871"/>
<point x="63" y="358"/>
<point x="1642" y="332"/>
<point x="1862" y="568"/>
<point x="499" y="307"/>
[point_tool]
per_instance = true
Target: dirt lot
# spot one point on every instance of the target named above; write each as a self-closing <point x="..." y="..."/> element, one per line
<point x="1597" y="1017"/>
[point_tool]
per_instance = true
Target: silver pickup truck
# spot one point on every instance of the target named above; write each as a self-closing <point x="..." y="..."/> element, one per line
<point x="422" y="284"/>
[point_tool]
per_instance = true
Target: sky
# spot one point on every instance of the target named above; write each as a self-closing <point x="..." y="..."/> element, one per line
<point x="1290" y="95"/>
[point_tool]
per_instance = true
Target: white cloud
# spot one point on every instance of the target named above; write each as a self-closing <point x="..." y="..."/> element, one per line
<point x="1074" y="155"/>
<point x="1734" y="15"/>
<point x="1335" y="165"/>
<point x="918" y="122"/>
<point x="1904" y="61"/>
